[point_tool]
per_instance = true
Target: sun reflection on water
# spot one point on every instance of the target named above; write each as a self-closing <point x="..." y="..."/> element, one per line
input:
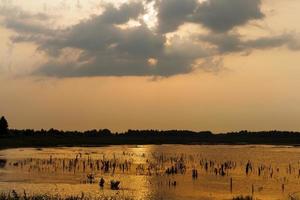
<point x="142" y="171"/>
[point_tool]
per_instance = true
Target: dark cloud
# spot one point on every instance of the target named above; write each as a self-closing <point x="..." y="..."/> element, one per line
<point x="173" y="13"/>
<point x="27" y="26"/>
<point x="107" y="49"/>
<point x="232" y="43"/>
<point x="104" y="46"/>
<point x="25" y="22"/>
<point x="128" y="55"/>
<point x="223" y="15"/>
<point x="112" y="65"/>
<point x="216" y="15"/>
<point x="112" y="15"/>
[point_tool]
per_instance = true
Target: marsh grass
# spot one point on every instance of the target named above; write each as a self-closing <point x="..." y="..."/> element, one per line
<point x="13" y="195"/>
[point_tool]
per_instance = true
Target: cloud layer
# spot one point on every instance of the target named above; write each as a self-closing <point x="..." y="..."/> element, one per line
<point x="217" y="15"/>
<point x="108" y="45"/>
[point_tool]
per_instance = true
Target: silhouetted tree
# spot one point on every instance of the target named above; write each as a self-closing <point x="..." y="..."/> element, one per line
<point x="3" y="125"/>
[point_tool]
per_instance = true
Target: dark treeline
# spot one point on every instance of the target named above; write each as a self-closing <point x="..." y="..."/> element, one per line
<point x="53" y="137"/>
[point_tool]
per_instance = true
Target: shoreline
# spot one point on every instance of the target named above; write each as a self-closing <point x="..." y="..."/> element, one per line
<point x="96" y="138"/>
<point x="156" y="144"/>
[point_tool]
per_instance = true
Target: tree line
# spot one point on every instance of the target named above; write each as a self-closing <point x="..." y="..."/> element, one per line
<point x="54" y="137"/>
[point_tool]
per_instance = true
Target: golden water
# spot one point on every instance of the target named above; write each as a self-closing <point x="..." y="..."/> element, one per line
<point x="141" y="170"/>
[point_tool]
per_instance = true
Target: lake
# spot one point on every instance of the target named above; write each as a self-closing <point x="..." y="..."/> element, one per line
<point x="171" y="172"/>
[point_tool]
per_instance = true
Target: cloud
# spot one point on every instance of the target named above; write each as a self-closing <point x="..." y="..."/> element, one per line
<point x="106" y="44"/>
<point x="112" y="15"/>
<point x="173" y="13"/>
<point x="129" y="57"/>
<point x="24" y="22"/>
<point x="234" y="43"/>
<point x="223" y="15"/>
<point x="107" y="49"/>
<point x="216" y="15"/>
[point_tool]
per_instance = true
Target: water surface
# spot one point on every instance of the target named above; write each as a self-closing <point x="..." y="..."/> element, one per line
<point x="146" y="172"/>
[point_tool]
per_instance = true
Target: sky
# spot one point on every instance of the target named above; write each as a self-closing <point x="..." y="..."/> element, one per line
<point x="219" y="65"/>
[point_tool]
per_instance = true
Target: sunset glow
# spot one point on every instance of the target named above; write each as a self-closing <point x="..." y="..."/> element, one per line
<point x="200" y="65"/>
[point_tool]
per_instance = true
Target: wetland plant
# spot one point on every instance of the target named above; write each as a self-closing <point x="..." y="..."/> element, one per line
<point x="101" y="182"/>
<point x="2" y="163"/>
<point x="13" y="195"/>
<point x="114" y="185"/>
<point x="243" y="198"/>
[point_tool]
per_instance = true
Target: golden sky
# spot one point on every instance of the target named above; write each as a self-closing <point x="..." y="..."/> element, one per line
<point x="220" y="65"/>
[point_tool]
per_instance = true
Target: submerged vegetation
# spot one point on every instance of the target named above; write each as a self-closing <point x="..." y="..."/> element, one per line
<point x="2" y="162"/>
<point x="154" y="170"/>
<point x="243" y="198"/>
<point x="93" y="167"/>
<point x="13" y="195"/>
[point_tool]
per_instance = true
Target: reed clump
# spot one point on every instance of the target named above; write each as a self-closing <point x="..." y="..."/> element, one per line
<point x="243" y="198"/>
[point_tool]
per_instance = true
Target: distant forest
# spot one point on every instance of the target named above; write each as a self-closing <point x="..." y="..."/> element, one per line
<point x="52" y="137"/>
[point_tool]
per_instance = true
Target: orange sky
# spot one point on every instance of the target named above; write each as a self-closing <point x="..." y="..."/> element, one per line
<point x="255" y="90"/>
